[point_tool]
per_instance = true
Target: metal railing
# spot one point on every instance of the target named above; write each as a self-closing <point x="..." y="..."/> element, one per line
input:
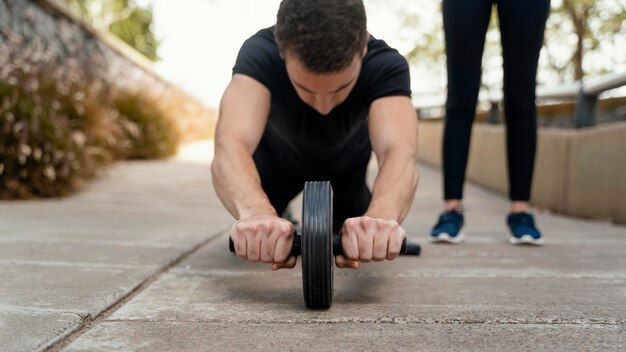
<point x="585" y="93"/>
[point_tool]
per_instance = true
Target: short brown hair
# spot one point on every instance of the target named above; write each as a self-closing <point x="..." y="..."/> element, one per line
<point x="324" y="34"/>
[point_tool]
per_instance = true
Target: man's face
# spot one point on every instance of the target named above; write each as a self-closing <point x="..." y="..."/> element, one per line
<point x="322" y="92"/>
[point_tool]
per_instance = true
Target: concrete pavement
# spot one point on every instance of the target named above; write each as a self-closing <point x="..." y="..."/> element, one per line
<point x="138" y="262"/>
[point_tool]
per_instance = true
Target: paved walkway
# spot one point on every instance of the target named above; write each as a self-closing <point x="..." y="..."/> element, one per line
<point x="138" y="261"/>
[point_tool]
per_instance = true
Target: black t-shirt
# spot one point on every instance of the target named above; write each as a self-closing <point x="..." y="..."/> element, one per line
<point x="295" y="130"/>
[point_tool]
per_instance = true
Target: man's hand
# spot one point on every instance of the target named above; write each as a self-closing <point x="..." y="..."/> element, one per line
<point x="365" y="239"/>
<point x="266" y="238"/>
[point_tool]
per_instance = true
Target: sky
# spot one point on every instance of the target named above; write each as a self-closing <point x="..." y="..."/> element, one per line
<point x="200" y="39"/>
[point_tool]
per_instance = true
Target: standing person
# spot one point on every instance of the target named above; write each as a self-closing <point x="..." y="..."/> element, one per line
<point x="309" y="99"/>
<point x="522" y="24"/>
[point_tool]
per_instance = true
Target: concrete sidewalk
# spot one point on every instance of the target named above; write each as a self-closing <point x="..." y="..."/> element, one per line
<point x="139" y="262"/>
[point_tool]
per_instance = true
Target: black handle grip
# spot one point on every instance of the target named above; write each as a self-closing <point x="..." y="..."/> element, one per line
<point x="408" y="248"/>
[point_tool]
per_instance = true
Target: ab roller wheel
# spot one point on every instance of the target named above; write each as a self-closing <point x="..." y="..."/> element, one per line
<point x="319" y="246"/>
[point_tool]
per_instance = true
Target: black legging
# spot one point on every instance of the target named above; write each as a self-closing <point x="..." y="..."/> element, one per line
<point x="522" y="24"/>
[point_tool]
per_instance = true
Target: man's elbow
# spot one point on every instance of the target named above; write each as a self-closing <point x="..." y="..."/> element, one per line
<point x="399" y="153"/>
<point x="217" y="165"/>
<point x="216" y="170"/>
<point x="406" y="151"/>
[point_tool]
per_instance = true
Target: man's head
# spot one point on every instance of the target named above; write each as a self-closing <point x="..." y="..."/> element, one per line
<point x="322" y="42"/>
<point x="324" y="35"/>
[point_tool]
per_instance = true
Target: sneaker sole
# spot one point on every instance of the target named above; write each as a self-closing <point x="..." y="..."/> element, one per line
<point x="446" y="238"/>
<point x="527" y="239"/>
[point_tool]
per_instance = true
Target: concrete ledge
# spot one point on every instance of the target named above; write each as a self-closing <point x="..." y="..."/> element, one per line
<point x="597" y="173"/>
<point x="577" y="172"/>
<point x="69" y="39"/>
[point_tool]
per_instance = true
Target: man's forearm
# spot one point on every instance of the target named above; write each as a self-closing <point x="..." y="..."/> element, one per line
<point x="237" y="183"/>
<point x="395" y="185"/>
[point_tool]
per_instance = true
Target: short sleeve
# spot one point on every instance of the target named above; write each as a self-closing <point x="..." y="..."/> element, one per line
<point x="257" y="58"/>
<point x="390" y="76"/>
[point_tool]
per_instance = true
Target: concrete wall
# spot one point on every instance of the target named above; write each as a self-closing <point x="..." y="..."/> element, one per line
<point x="577" y="172"/>
<point x="597" y="173"/>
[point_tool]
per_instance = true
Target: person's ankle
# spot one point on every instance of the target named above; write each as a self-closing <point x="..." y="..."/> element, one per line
<point x="520" y="207"/>
<point x="455" y="205"/>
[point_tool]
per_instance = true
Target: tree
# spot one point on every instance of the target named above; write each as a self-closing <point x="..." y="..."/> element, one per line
<point x="583" y="37"/>
<point x="593" y="29"/>
<point x="125" y="19"/>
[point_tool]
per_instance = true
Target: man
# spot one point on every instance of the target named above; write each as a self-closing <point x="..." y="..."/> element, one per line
<point x="309" y="99"/>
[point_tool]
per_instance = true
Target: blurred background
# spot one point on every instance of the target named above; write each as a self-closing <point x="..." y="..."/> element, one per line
<point x="86" y="83"/>
<point x="194" y="43"/>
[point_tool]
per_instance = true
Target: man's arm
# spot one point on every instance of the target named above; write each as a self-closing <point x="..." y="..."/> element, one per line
<point x="243" y="115"/>
<point x="377" y="234"/>
<point x="258" y="234"/>
<point x="393" y="134"/>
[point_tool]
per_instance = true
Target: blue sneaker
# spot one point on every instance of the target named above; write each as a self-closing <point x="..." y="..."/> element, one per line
<point x="448" y="228"/>
<point x="523" y="229"/>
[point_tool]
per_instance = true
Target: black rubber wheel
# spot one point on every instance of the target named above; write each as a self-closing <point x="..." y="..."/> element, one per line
<point x="317" y="245"/>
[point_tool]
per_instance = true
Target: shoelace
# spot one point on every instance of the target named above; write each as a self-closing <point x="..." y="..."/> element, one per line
<point x="449" y="216"/>
<point x="522" y="219"/>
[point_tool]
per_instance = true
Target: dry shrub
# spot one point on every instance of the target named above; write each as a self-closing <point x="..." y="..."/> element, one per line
<point x="44" y="150"/>
<point x="59" y="125"/>
<point x="150" y="131"/>
<point x="195" y="121"/>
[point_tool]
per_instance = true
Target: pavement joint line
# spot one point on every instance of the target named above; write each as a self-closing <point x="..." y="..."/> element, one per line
<point x="121" y="212"/>
<point x="228" y="273"/>
<point x="35" y="234"/>
<point x="390" y="321"/>
<point x="39" y="310"/>
<point x="57" y="263"/>
<point x="550" y="241"/>
<point x="90" y="321"/>
<point x="474" y="240"/>
<point x="72" y="241"/>
<point x="425" y="273"/>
